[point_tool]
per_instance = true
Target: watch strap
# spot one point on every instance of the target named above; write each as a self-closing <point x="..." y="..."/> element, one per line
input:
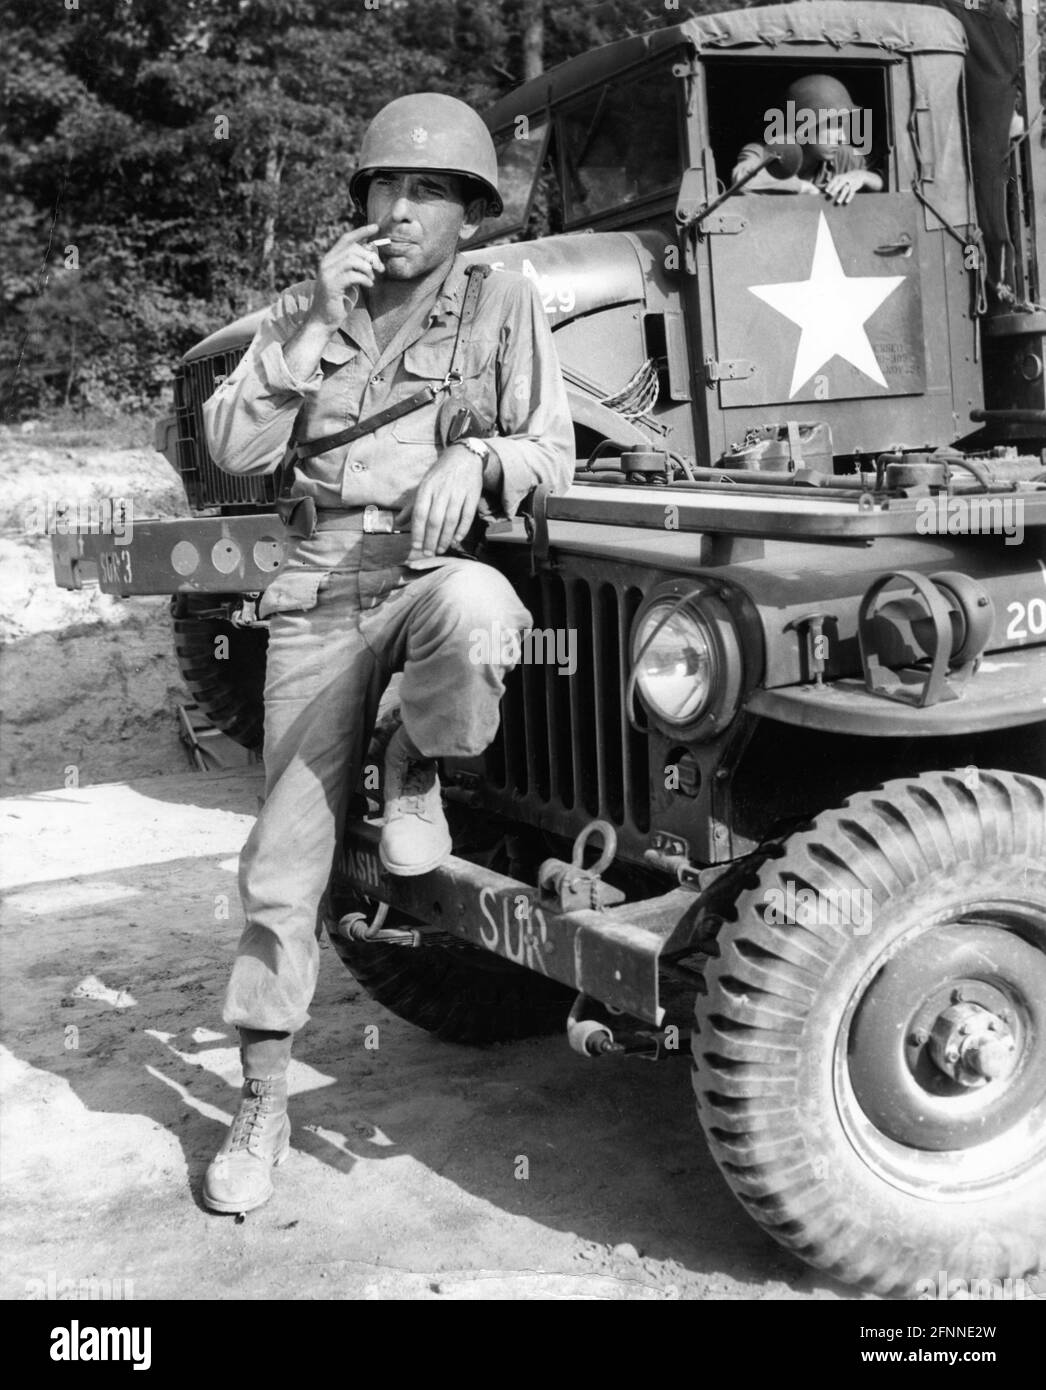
<point x="476" y="446"/>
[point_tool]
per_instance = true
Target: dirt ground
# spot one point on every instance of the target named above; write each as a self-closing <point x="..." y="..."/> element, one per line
<point x="119" y="1077"/>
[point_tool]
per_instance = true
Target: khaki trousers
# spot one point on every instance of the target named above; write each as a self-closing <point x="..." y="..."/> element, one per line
<point x="350" y="613"/>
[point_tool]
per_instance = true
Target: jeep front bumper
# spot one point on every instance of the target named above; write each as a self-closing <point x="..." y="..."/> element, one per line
<point x="215" y="555"/>
<point x="611" y="954"/>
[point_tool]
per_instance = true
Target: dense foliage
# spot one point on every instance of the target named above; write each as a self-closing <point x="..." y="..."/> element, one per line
<point x="169" y="164"/>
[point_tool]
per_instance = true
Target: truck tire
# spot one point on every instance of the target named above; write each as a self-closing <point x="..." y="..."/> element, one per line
<point x="459" y="992"/>
<point x="229" y="691"/>
<point x="846" y="1102"/>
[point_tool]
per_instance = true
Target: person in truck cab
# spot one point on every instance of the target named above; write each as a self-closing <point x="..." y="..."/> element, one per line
<point x="406" y="389"/>
<point x="820" y="117"/>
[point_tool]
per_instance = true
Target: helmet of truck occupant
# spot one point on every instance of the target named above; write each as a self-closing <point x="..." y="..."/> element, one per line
<point x="433" y="133"/>
<point x="821" y="104"/>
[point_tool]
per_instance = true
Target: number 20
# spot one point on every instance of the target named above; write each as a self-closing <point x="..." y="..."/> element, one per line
<point x="1033" y="614"/>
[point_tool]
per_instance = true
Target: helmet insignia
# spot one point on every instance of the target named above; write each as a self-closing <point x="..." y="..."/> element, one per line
<point x="419" y="135"/>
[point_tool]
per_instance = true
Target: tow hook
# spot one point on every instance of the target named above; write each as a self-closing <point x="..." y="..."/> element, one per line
<point x="571" y="886"/>
<point x="591" y="1037"/>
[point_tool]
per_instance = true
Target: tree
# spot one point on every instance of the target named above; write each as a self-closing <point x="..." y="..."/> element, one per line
<point x="197" y="158"/>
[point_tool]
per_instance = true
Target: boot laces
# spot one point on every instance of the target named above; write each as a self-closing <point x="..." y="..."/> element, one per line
<point x="254" y="1110"/>
<point x="416" y="786"/>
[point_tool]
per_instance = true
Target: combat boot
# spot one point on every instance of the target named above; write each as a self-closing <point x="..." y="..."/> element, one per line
<point x="240" y="1175"/>
<point x="415" y="838"/>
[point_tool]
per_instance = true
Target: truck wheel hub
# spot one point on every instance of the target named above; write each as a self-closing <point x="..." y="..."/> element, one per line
<point x="946" y="1046"/>
<point x="973" y="1045"/>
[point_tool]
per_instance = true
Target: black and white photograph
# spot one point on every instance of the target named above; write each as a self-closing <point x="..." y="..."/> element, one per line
<point x="523" y="581"/>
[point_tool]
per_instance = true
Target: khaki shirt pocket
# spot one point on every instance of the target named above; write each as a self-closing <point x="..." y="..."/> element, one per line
<point x="430" y="362"/>
<point x="419" y="427"/>
<point x="426" y="363"/>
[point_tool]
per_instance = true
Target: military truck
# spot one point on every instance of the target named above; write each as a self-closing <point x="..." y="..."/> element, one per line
<point x="787" y="798"/>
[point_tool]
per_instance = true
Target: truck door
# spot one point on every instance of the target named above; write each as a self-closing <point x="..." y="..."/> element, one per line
<point x="817" y="303"/>
<point x="859" y="316"/>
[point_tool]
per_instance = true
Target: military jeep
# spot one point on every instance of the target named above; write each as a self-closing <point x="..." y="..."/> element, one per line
<point x="771" y="772"/>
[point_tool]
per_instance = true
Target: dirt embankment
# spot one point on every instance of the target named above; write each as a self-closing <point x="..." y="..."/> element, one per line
<point x="90" y="686"/>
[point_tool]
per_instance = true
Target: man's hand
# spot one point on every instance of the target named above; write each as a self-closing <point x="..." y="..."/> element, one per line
<point x="841" y="188"/>
<point x="444" y="506"/>
<point x="766" y="183"/>
<point x="345" y="267"/>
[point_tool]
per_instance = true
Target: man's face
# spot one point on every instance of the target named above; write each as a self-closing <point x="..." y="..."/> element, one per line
<point x="830" y="129"/>
<point x="424" y="215"/>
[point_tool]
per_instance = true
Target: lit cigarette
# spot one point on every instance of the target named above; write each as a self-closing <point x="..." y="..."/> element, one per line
<point x="385" y="240"/>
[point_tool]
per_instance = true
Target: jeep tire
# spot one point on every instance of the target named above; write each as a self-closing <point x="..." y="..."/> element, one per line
<point x="458" y="992"/>
<point x="874" y="1089"/>
<point x="230" y="691"/>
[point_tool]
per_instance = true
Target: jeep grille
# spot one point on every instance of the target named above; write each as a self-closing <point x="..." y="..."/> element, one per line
<point x="205" y="483"/>
<point x="565" y="752"/>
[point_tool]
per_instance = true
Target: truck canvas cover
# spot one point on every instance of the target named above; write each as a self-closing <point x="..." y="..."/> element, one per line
<point x="895" y="28"/>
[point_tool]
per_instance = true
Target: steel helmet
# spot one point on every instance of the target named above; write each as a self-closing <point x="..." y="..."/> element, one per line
<point x="433" y="132"/>
<point x="819" y="93"/>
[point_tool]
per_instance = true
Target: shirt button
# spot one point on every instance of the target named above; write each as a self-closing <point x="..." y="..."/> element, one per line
<point x="357" y="467"/>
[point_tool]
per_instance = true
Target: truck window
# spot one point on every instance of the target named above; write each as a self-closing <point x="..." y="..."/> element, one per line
<point x="620" y="144"/>
<point x="521" y="153"/>
<point x="740" y="94"/>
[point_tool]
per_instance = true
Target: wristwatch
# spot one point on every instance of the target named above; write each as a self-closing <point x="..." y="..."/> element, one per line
<point x="479" y="447"/>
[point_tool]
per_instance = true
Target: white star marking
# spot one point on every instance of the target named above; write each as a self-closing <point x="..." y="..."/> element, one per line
<point x="831" y="309"/>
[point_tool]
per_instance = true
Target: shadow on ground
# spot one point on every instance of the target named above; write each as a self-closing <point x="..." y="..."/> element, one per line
<point x="418" y="1168"/>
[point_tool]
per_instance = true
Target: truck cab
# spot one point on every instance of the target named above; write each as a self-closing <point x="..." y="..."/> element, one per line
<point x="641" y="136"/>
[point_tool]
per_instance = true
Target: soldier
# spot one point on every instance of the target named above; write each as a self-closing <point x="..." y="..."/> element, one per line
<point x="831" y="165"/>
<point x="421" y="361"/>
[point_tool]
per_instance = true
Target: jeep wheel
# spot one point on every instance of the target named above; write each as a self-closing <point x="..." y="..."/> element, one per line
<point x="444" y="985"/>
<point x="870" y="1055"/>
<point x="231" y="691"/>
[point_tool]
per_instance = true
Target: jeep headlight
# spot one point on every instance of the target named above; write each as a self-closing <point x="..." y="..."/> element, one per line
<point x="687" y="666"/>
<point x="675" y="662"/>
